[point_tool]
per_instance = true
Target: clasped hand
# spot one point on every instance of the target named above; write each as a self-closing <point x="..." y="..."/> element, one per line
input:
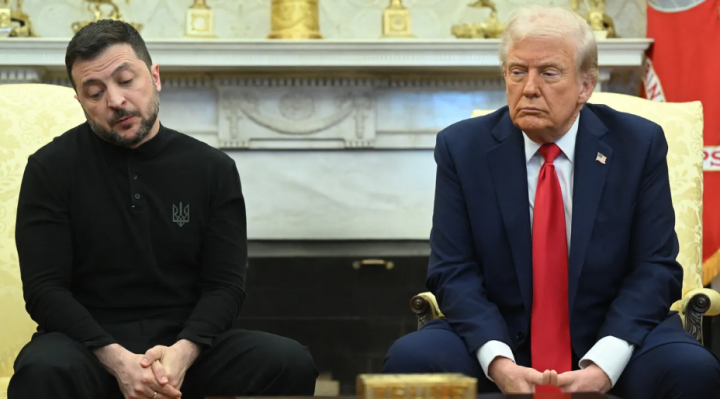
<point x="511" y="378"/>
<point x="158" y="374"/>
<point x="170" y="363"/>
<point x="138" y="382"/>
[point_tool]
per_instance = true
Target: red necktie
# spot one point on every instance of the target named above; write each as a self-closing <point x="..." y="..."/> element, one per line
<point x="550" y="323"/>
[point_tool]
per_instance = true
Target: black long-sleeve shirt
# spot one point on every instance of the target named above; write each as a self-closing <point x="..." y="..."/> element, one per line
<point x="107" y="234"/>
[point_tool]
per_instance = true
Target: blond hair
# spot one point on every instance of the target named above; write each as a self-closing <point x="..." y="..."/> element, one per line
<point x="557" y="23"/>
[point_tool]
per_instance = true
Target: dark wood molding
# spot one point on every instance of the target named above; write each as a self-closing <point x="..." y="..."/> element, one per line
<point x="696" y="308"/>
<point x="422" y="308"/>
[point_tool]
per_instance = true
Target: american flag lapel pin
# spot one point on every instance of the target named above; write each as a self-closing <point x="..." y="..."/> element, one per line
<point x="601" y="158"/>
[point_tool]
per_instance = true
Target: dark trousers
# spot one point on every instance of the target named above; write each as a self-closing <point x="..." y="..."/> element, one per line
<point x="674" y="370"/>
<point x="239" y="363"/>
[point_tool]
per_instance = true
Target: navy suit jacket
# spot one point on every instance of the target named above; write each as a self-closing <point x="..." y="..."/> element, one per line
<point x="623" y="276"/>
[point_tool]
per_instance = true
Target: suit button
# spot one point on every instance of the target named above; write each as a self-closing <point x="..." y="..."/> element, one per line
<point x="520" y="336"/>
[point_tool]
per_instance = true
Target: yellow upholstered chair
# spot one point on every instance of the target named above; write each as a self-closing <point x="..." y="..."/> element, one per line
<point x="683" y="126"/>
<point x="30" y="116"/>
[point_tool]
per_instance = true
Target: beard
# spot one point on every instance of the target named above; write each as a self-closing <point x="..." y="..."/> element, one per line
<point x="146" y="124"/>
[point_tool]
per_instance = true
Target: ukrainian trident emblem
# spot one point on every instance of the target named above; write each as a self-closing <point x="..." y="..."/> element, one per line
<point x="181" y="215"/>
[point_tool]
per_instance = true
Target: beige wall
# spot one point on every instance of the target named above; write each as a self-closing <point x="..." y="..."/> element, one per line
<point x="432" y="19"/>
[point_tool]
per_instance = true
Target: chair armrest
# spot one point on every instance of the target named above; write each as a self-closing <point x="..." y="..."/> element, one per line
<point x="425" y="306"/>
<point x="696" y="304"/>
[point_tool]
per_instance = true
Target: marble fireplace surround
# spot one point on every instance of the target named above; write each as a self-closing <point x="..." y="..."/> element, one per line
<point x="333" y="138"/>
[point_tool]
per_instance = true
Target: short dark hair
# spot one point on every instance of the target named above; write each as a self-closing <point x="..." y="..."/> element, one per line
<point x="90" y="41"/>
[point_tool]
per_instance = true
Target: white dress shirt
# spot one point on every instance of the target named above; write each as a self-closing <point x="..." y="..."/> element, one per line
<point x="611" y="354"/>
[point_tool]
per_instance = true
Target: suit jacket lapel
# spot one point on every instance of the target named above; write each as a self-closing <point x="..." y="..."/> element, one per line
<point x="509" y="173"/>
<point x="589" y="181"/>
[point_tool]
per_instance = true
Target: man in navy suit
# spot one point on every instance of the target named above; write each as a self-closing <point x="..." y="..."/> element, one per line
<point x="553" y="242"/>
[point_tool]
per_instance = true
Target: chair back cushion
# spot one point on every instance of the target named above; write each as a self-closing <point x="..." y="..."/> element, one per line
<point x="30" y="116"/>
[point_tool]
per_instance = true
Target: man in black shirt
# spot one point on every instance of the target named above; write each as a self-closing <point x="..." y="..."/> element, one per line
<point x="133" y="247"/>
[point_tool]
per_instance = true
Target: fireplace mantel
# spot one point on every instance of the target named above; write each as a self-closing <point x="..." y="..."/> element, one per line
<point x="211" y="55"/>
<point x="333" y="139"/>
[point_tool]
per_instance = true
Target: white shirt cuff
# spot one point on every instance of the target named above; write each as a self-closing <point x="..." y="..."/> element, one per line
<point x="489" y="351"/>
<point x="611" y="355"/>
